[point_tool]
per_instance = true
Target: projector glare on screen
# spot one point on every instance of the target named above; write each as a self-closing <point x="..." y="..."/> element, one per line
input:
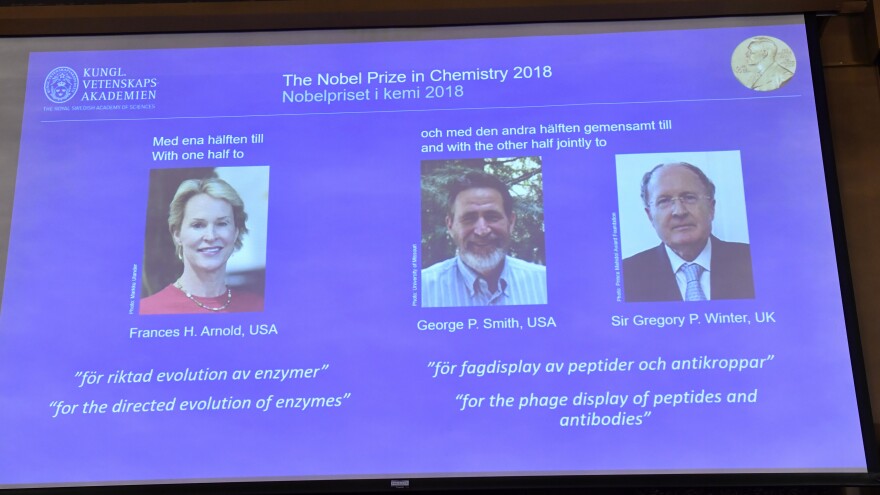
<point x="540" y="250"/>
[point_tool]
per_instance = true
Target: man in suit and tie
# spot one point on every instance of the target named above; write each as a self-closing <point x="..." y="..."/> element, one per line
<point x="690" y="264"/>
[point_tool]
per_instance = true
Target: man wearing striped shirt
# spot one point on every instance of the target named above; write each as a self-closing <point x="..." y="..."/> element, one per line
<point x="480" y="220"/>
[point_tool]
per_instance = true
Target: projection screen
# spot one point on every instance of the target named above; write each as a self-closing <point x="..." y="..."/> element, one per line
<point x="402" y="256"/>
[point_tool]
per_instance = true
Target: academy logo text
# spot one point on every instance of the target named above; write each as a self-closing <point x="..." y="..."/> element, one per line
<point x="99" y="88"/>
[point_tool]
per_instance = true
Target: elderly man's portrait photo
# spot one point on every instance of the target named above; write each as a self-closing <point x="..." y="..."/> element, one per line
<point x="683" y="227"/>
<point x="483" y="233"/>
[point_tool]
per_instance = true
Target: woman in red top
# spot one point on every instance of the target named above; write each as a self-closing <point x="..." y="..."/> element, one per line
<point x="207" y="222"/>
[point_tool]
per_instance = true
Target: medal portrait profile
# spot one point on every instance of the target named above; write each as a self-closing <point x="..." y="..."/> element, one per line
<point x="763" y="63"/>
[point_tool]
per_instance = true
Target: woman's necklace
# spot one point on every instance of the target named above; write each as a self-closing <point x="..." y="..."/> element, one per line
<point x="199" y="303"/>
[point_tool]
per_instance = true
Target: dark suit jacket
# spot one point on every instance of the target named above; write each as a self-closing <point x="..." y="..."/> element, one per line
<point x="647" y="276"/>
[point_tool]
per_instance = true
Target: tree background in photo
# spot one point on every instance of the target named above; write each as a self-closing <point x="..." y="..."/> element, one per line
<point x="524" y="180"/>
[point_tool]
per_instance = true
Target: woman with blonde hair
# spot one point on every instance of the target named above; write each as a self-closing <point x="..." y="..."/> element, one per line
<point x="207" y="222"/>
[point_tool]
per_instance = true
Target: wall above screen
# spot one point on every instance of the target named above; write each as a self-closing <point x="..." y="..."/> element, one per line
<point x="106" y="17"/>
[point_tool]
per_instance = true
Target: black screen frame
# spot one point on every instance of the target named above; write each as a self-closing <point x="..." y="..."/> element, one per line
<point x="542" y="483"/>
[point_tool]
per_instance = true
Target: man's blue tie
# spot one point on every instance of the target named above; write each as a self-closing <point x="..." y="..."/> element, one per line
<point x="693" y="292"/>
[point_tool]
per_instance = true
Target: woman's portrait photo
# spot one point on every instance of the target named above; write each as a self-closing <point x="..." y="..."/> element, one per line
<point x="205" y="244"/>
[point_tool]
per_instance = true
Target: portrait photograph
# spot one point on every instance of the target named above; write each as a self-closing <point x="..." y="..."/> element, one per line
<point x="683" y="227"/>
<point x="205" y="240"/>
<point x="482" y="236"/>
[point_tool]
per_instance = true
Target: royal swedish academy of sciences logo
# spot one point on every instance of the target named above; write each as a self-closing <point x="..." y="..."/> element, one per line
<point x="61" y="84"/>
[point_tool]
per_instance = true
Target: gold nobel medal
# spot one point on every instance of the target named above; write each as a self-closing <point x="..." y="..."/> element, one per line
<point x="763" y="63"/>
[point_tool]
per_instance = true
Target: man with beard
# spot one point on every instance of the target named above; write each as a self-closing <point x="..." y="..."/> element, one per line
<point x="480" y="220"/>
<point x="690" y="264"/>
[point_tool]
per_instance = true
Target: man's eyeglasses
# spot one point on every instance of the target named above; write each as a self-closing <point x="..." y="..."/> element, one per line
<point x="687" y="199"/>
